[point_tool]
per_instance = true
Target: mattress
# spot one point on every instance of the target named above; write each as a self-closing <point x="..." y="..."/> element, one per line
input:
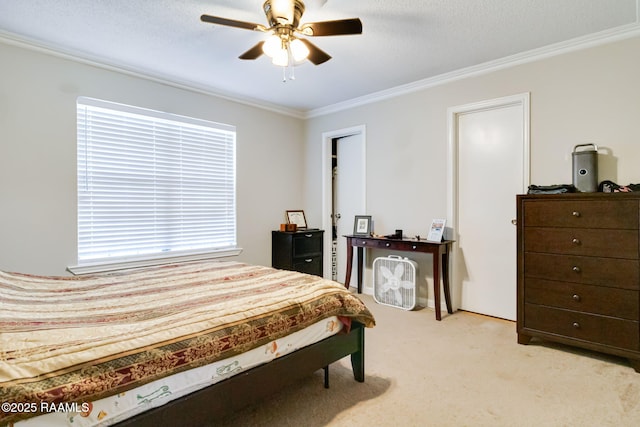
<point x="113" y="409"/>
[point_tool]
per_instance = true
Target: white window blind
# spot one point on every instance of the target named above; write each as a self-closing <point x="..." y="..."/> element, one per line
<point x="152" y="184"/>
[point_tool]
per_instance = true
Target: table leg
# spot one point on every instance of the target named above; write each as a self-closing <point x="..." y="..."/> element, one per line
<point x="347" y="278"/>
<point x="436" y="284"/>
<point x="360" y="268"/>
<point x="445" y="280"/>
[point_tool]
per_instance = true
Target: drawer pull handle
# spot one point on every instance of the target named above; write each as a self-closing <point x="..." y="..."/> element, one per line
<point x="576" y="325"/>
<point x="576" y="269"/>
<point x="576" y="297"/>
<point x="388" y="244"/>
<point x="576" y="241"/>
<point x="414" y="247"/>
<point x="308" y="235"/>
<point x="308" y="260"/>
<point x="576" y="214"/>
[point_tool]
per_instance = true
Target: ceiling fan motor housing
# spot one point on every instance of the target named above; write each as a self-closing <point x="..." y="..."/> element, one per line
<point x="283" y="12"/>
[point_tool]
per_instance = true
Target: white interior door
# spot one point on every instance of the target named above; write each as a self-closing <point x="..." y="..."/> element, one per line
<point x="349" y="197"/>
<point x="491" y="169"/>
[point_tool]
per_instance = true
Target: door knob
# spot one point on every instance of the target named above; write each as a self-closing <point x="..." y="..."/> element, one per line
<point x="514" y="221"/>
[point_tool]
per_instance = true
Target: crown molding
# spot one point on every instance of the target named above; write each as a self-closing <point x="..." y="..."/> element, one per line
<point x="576" y="44"/>
<point x="83" y="58"/>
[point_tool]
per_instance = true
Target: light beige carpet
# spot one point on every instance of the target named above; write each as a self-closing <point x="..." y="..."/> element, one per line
<point x="466" y="370"/>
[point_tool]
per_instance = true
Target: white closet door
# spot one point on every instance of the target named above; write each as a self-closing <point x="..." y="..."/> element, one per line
<point x="490" y="173"/>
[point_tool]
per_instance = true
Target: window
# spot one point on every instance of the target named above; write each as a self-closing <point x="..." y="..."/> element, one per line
<point x="151" y="185"/>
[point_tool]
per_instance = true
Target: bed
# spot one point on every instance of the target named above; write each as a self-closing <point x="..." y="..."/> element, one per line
<point x="181" y="344"/>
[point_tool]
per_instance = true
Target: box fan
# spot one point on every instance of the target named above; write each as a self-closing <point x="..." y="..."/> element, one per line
<point x="394" y="282"/>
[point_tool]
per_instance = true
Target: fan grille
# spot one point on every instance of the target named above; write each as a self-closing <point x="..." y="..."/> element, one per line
<point x="394" y="282"/>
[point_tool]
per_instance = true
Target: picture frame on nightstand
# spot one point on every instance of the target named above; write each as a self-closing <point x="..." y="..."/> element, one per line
<point x="297" y="217"/>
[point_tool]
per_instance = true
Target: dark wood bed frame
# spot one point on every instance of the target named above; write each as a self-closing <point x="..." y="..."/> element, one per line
<point x="222" y="399"/>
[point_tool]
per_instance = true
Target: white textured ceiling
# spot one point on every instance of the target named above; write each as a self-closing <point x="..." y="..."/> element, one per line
<point x="403" y="41"/>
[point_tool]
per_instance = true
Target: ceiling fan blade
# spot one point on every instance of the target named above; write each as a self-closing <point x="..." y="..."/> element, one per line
<point x="332" y="28"/>
<point x="316" y="55"/>
<point x="232" y="23"/>
<point x="253" y="53"/>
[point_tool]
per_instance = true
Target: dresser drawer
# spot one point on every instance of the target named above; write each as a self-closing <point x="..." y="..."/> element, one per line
<point x="581" y="213"/>
<point x="611" y="272"/>
<point x="621" y="303"/>
<point x="581" y="241"/>
<point x="581" y="326"/>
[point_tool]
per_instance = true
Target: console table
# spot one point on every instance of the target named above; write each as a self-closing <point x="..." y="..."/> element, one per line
<point x="440" y="252"/>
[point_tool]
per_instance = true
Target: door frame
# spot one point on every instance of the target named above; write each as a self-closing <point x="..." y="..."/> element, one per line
<point x="523" y="100"/>
<point x="327" y="138"/>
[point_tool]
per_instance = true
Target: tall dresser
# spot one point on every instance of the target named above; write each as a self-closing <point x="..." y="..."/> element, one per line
<point x="579" y="271"/>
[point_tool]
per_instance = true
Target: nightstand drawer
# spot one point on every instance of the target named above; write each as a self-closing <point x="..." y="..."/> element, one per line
<point x="581" y="241"/>
<point x="307" y="243"/>
<point x="582" y="214"/>
<point x="310" y="265"/>
<point x="621" y="303"/>
<point x="612" y="272"/>
<point x="581" y="326"/>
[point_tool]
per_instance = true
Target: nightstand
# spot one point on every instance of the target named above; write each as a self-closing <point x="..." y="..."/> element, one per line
<point x="299" y="251"/>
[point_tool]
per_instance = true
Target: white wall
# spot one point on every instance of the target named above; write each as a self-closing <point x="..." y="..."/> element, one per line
<point x="588" y="96"/>
<point x="38" y="155"/>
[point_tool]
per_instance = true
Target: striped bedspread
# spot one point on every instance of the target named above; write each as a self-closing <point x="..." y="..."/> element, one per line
<point x="77" y="339"/>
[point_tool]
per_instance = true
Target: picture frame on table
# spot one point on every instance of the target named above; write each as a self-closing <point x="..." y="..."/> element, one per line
<point x="362" y="225"/>
<point x="436" y="231"/>
<point x="297" y="217"/>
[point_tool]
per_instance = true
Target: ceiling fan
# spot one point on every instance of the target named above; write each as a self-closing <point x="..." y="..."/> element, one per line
<point x="283" y="46"/>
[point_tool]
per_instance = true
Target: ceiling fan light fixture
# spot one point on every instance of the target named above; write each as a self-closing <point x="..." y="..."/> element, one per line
<point x="284" y="50"/>
<point x="299" y="51"/>
<point x="281" y="58"/>
<point x="272" y="46"/>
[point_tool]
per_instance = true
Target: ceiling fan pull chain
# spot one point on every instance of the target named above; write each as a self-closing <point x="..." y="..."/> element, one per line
<point x="291" y="63"/>
<point x="292" y="73"/>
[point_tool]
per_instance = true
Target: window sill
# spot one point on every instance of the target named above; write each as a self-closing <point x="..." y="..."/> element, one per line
<point x="102" y="267"/>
